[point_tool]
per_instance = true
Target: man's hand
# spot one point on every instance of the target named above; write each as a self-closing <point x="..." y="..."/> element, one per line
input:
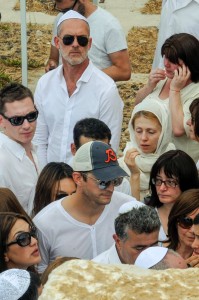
<point x="193" y="261"/>
<point x="51" y="64"/>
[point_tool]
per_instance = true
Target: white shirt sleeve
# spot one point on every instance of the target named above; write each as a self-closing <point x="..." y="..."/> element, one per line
<point x="41" y="135"/>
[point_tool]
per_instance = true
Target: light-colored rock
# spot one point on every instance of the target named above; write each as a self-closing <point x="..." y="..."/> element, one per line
<point x="86" y="280"/>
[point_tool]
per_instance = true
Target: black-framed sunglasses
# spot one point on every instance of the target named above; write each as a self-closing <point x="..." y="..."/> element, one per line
<point x="18" y="120"/>
<point x="24" y="238"/>
<point x="59" y="196"/>
<point x="69" y="39"/>
<point x="64" y="10"/>
<point x="104" y="184"/>
<point x="185" y="222"/>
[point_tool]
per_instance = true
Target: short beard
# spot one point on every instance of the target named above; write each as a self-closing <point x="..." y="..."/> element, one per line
<point x="72" y="61"/>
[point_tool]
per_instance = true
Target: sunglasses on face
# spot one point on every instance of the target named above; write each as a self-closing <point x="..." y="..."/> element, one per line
<point x="185" y="222"/>
<point x="167" y="183"/>
<point x="69" y="39"/>
<point x="104" y="184"/>
<point x="24" y="238"/>
<point x="64" y="10"/>
<point x="18" y="120"/>
<point x="59" y="196"/>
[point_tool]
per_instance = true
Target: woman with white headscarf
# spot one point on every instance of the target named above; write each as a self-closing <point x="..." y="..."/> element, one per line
<point x="150" y="136"/>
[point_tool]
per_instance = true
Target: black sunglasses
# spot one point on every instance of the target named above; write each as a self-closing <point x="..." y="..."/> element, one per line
<point x="59" y="196"/>
<point x="18" y="120"/>
<point x="185" y="222"/>
<point x="24" y="238"/>
<point x="69" y="39"/>
<point x="64" y="10"/>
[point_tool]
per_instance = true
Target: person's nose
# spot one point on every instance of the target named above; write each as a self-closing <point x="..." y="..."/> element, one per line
<point x="195" y="244"/>
<point x="75" y="42"/>
<point x="26" y="124"/>
<point x="166" y="62"/>
<point x="163" y="186"/>
<point x="110" y="188"/>
<point x="34" y="241"/>
<point x="144" y="136"/>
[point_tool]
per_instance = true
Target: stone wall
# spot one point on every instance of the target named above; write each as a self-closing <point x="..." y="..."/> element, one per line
<point x="85" y="280"/>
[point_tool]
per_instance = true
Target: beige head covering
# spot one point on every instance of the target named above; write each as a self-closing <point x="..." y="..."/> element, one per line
<point x="145" y="161"/>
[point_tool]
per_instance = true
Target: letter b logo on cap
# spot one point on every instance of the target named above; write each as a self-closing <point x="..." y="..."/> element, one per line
<point x="110" y="156"/>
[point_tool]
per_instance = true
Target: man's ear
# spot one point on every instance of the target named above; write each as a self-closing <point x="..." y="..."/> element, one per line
<point x="73" y="148"/>
<point x="116" y="239"/>
<point x="77" y="177"/>
<point x="2" y="122"/>
<point x="89" y="43"/>
<point x="56" y="41"/>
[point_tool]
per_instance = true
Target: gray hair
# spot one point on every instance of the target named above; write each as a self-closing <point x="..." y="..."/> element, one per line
<point x="165" y="263"/>
<point x="143" y="219"/>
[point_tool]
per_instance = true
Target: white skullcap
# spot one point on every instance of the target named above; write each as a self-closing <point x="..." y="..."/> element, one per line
<point x="13" y="284"/>
<point x="71" y="14"/>
<point x="126" y="207"/>
<point x="150" y="257"/>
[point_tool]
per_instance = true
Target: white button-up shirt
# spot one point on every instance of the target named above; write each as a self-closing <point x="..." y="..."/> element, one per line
<point x="18" y="172"/>
<point x="96" y="96"/>
<point x="110" y="256"/>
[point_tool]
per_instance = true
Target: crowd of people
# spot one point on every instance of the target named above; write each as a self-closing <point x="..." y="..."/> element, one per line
<point x="64" y="193"/>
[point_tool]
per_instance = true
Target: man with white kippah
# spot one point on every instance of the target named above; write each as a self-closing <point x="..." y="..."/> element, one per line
<point x="136" y="228"/>
<point x="82" y="224"/>
<point x="74" y="90"/>
<point x="160" y="258"/>
<point x="109" y="48"/>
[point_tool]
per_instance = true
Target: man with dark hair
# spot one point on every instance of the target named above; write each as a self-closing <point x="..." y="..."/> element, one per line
<point x="135" y="230"/>
<point x="91" y="129"/>
<point x="19" y="165"/>
<point x="82" y="224"/>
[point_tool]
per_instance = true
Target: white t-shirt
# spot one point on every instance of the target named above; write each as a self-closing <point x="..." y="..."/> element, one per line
<point x="62" y="235"/>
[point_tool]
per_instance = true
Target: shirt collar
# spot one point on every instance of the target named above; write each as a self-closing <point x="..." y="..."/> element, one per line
<point x="114" y="257"/>
<point x="84" y="78"/>
<point x="15" y="148"/>
<point x="87" y="73"/>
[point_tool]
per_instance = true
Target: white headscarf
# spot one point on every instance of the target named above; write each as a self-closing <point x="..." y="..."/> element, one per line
<point x="145" y="161"/>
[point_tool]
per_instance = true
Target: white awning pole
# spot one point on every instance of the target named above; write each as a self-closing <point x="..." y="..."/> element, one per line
<point x="24" y="60"/>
